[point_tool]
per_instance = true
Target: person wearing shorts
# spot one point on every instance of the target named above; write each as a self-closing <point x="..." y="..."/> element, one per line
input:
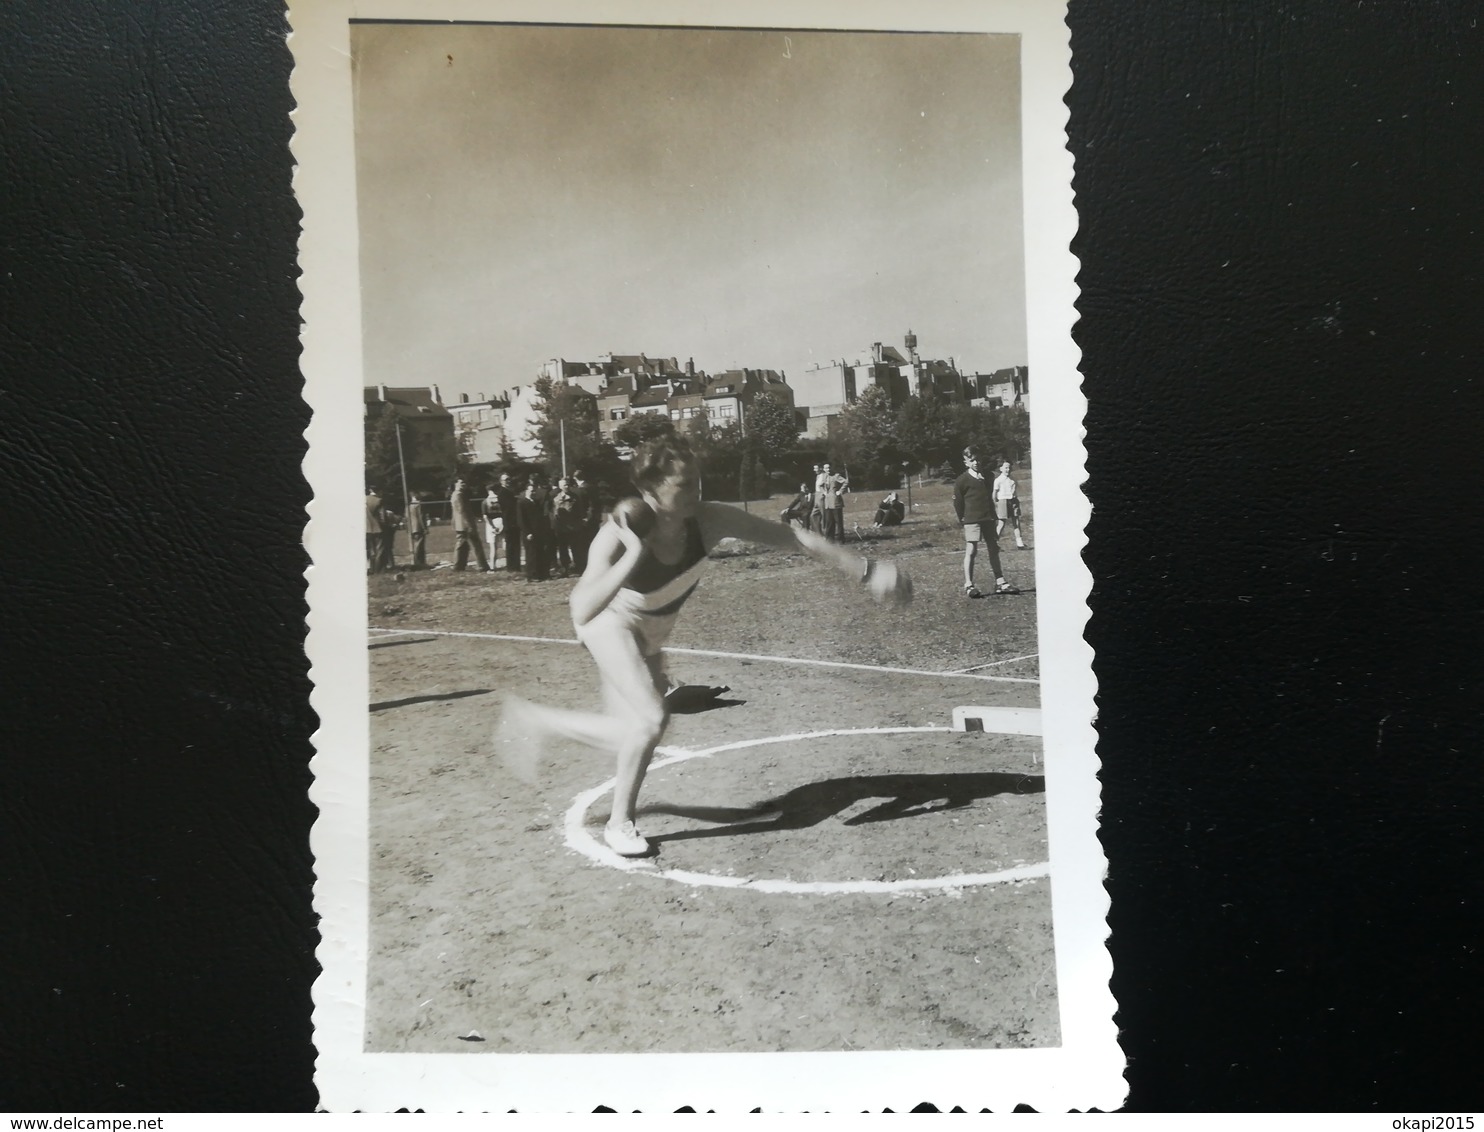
<point x="974" y="506"/>
<point x="1006" y="504"/>
<point x="627" y="601"/>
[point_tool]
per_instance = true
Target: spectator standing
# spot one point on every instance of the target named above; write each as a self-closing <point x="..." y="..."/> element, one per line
<point x="1007" y="504"/>
<point x="466" y="527"/>
<point x="827" y="503"/>
<point x="842" y="487"/>
<point x="589" y="515"/>
<point x="507" y="492"/>
<point x="494" y="524"/>
<point x="390" y="521"/>
<point x="566" y="524"/>
<point x="975" y="510"/>
<point x="417" y="531"/>
<point x="815" y="522"/>
<point x="535" y="529"/>
<point x="373" y="530"/>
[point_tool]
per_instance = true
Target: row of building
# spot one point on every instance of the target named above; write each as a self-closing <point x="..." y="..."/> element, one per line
<point x="624" y="386"/>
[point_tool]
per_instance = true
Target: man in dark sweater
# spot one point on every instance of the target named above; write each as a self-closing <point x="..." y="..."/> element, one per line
<point x="974" y="506"/>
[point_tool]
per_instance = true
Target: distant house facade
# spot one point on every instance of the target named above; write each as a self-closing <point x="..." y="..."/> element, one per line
<point x="1002" y="389"/>
<point x="824" y="390"/>
<point x="480" y="428"/>
<point x="425" y="425"/>
<point x="730" y="394"/>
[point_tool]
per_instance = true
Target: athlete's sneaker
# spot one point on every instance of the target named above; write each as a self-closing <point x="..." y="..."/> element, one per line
<point x="1005" y="588"/>
<point x="625" y="840"/>
<point x="972" y="591"/>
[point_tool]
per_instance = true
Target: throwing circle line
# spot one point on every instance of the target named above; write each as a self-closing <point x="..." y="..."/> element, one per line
<point x="581" y="841"/>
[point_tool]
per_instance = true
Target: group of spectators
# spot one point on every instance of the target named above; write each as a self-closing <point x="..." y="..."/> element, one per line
<point x="527" y="525"/>
<point x="820" y="506"/>
<point x="520" y="525"/>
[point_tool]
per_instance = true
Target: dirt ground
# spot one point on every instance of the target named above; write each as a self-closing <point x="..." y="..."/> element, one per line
<point x="490" y="932"/>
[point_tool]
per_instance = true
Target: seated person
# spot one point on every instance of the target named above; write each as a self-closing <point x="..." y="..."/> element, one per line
<point x="798" y="510"/>
<point x="890" y="511"/>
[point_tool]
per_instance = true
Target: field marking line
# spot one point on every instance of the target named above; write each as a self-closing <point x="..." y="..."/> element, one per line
<point x="992" y="663"/>
<point x="861" y="667"/>
<point x="961" y="675"/>
<point x="482" y="636"/>
<point x="580" y="841"/>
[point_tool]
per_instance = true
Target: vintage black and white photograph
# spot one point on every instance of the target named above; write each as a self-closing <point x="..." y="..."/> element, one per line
<point x="718" y="631"/>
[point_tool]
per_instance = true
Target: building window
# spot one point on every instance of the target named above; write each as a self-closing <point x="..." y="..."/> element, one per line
<point x="617" y="415"/>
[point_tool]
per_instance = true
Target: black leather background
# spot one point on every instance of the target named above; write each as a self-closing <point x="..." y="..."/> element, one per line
<point x="1281" y="309"/>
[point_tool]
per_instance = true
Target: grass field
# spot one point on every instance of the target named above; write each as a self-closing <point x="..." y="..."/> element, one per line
<point x="890" y="900"/>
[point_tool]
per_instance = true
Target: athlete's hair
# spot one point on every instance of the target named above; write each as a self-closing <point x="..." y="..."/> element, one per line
<point x="659" y="459"/>
<point x="975" y="451"/>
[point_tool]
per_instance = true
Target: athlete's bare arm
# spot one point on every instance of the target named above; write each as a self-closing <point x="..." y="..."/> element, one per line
<point x="719" y="521"/>
<point x="614" y="553"/>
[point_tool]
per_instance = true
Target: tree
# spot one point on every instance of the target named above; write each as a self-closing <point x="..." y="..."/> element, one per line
<point x="1004" y="434"/>
<point x="642" y="427"/>
<point x="747" y="475"/>
<point x="566" y="416"/>
<point x="428" y="467"/>
<point x="382" y="468"/>
<point x="770" y="421"/>
<point x="927" y="433"/>
<point x="720" y="453"/>
<point x="867" y="440"/>
<point x="762" y="486"/>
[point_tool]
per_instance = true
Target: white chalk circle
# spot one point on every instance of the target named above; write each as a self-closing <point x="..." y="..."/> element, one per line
<point x="580" y="840"/>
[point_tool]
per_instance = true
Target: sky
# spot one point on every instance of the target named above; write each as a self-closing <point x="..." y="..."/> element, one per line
<point x="753" y="198"/>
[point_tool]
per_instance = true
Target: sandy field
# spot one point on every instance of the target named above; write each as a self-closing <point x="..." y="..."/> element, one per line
<point x="833" y="878"/>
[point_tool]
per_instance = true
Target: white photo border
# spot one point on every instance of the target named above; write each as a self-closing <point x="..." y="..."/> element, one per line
<point x="1086" y="1070"/>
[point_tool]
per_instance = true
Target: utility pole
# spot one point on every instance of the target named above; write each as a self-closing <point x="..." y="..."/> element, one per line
<point x="402" y="466"/>
<point x="562" y="428"/>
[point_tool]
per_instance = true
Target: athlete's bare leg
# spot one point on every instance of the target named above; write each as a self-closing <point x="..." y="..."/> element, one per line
<point x="633" y="692"/>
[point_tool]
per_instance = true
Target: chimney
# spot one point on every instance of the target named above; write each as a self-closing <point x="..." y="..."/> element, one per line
<point x="437" y="398"/>
<point x="381" y="392"/>
<point x="876" y="352"/>
<point x="690" y="367"/>
<point x="463" y="398"/>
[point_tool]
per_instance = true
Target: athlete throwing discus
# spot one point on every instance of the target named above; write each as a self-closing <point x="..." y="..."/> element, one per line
<point x="644" y="563"/>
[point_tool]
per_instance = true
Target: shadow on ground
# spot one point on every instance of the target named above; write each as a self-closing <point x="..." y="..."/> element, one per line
<point x="690" y="699"/>
<point x="386" y="704"/>
<point x="394" y="644"/>
<point x="903" y="796"/>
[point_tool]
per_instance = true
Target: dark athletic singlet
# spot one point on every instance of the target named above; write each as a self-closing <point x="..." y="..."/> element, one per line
<point x="652" y="576"/>
<point x="648" y="602"/>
